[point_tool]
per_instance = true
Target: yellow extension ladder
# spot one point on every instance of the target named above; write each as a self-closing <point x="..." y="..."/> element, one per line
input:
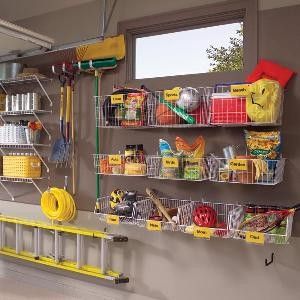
<point x="55" y="260"/>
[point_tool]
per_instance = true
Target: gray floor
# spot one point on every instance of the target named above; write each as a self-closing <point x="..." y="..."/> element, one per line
<point x="16" y="290"/>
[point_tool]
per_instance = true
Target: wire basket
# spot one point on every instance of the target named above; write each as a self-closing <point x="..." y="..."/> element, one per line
<point x="220" y="212"/>
<point x="17" y="134"/>
<point x="119" y="164"/>
<point x="105" y="210"/>
<point x="227" y="109"/>
<point x="278" y="235"/>
<point x="188" y="107"/>
<point x="247" y="170"/>
<point x="146" y="210"/>
<point x="178" y="168"/>
<point x="123" y="110"/>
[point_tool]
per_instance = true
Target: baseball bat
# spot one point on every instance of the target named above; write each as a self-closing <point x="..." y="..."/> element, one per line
<point x="158" y="204"/>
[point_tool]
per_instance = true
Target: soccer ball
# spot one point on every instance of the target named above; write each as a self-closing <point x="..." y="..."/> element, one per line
<point x="116" y="197"/>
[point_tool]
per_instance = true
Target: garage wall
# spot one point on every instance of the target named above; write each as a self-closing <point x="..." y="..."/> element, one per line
<point x="170" y="265"/>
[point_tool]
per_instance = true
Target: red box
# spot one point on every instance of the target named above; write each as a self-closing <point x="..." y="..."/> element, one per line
<point x="228" y="110"/>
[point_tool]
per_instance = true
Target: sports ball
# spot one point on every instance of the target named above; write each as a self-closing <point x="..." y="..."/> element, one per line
<point x="204" y="216"/>
<point x="116" y="197"/>
<point x="189" y="99"/>
<point x="165" y="116"/>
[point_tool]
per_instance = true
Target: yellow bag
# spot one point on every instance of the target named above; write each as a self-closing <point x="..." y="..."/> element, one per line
<point x="110" y="47"/>
<point x="264" y="99"/>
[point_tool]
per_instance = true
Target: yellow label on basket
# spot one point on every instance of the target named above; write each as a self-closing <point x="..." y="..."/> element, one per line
<point x="202" y="232"/>
<point x="117" y="99"/>
<point x="255" y="237"/>
<point x="239" y="89"/>
<point x="171" y="95"/>
<point x="112" y="219"/>
<point x="153" y="225"/>
<point x="170" y="162"/>
<point x="238" y="164"/>
<point x="114" y="159"/>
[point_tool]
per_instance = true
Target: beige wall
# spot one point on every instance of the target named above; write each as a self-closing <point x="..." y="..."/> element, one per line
<point x="171" y="265"/>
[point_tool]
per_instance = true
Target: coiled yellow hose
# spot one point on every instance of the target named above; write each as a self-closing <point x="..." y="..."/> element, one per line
<point x="58" y="204"/>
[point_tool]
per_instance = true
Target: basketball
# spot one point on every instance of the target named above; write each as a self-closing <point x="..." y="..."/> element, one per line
<point x="164" y="116"/>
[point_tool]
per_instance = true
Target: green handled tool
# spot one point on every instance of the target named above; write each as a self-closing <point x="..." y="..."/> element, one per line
<point x="178" y="111"/>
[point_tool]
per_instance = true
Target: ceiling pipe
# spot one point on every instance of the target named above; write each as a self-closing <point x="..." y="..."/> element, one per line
<point x="24" y="34"/>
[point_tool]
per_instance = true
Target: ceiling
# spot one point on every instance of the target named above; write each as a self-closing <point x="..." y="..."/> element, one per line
<point x="13" y="10"/>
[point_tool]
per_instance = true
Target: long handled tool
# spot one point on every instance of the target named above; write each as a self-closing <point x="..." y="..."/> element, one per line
<point x="74" y="165"/>
<point x="68" y="119"/>
<point x="97" y="67"/>
<point x="59" y="147"/>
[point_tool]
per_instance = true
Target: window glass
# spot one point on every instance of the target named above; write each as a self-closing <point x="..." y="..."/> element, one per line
<point x="210" y="49"/>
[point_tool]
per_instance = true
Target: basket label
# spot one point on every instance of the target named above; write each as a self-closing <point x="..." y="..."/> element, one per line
<point x="255" y="237"/>
<point x="117" y="99"/>
<point x="112" y="219"/>
<point x="114" y="159"/>
<point x="202" y="232"/>
<point x="239" y="89"/>
<point x="170" y="162"/>
<point x="171" y="95"/>
<point x="238" y="164"/>
<point x="153" y="225"/>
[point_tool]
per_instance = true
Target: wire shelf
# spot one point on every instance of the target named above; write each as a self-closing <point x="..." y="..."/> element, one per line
<point x="105" y="210"/>
<point x="26" y="79"/>
<point x="22" y="146"/>
<point x="24" y="112"/>
<point x="222" y="220"/>
<point x="187" y="108"/>
<point x="123" y="110"/>
<point x="247" y="170"/>
<point x="120" y="165"/>
<point x="177" y="168"/>
<point x="230" y="110"/>
<point x="18" y="179"/>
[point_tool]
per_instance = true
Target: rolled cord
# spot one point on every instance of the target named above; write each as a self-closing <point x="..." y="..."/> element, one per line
<point x="58" y="205"/>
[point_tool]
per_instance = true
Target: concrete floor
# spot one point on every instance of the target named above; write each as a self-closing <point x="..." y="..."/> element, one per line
<point x="15" y="290"/>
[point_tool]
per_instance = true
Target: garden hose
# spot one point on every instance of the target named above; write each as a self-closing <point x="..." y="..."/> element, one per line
<point x="58" y="205"/>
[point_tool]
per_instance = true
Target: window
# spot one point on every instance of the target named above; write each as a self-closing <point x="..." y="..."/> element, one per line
<point x="203" y="41"/>
<point x="210" y="49"/>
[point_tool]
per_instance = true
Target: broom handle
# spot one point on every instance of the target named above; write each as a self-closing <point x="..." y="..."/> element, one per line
<point x="68" y="110"/>
<point x="73" y="141"/>
<point x="96" y="83"/>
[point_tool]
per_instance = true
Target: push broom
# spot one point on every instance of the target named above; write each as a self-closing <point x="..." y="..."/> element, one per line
<point x="97" y="67"/>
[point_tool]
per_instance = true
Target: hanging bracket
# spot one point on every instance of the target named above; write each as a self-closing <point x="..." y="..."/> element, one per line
<point x="267" y="263"/>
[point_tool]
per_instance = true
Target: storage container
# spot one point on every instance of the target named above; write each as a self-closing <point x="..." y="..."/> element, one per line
<point x="22" y="166"/>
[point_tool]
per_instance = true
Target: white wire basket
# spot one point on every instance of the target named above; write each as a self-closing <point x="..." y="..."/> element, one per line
<point x="120" y="165"/>
<point x="178" y="168"/>
<point x="189" y="107"/>
<point x="247" y="170"/>
<point x="278" y="235"/>
<point x="222" y="220"/>
<point x="219" y="212"/>
<point x="146" y="210"/>
<point x="17" y="134"/>
<point x="123" y="110"/>
<point x="105" y="211"/>
<point x="230" y="110"/>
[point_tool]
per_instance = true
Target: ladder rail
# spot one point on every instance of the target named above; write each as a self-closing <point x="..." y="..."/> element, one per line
<point x="57" y="260"/>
